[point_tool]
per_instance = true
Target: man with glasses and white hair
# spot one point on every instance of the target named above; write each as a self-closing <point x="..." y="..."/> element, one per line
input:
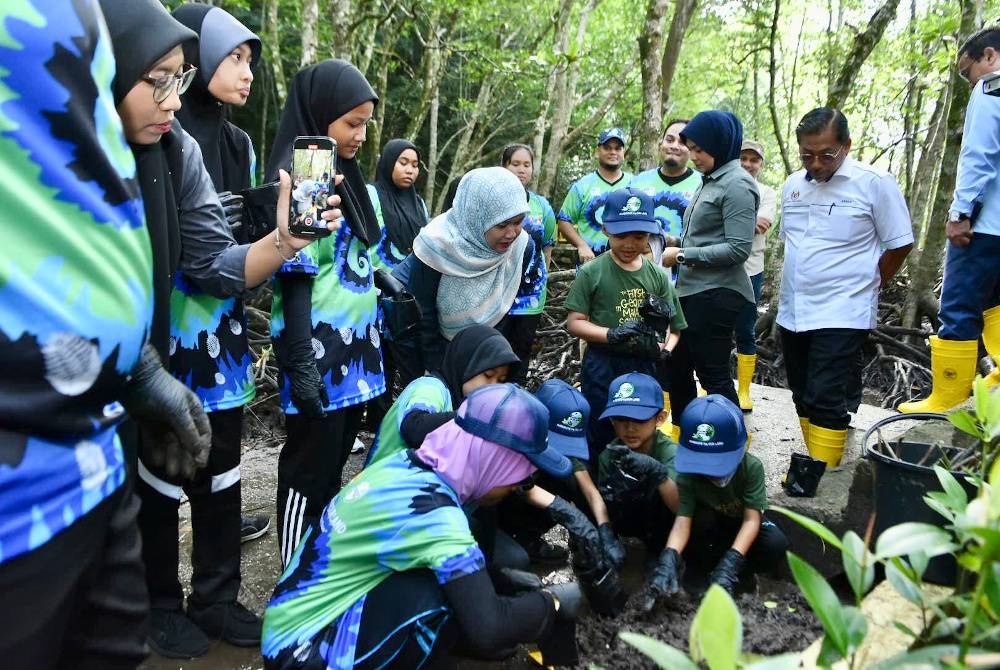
<point x="847" y="231"/>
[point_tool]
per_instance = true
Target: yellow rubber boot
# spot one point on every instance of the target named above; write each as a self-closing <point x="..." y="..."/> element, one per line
<point x="804" y="425"/>
<point x="953" y="366"/>
<point x="826" y="444"/>
<point x="667" y="426"/>
<point x="991" y="339"/>
<point x="745" y="366"/>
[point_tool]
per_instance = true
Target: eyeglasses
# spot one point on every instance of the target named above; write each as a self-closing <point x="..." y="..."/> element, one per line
<point x="826" y="158"/>
<point x="527" y="483"/>
<point x="163" y="86"/>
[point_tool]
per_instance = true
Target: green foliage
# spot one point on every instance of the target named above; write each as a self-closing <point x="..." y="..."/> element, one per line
<point x="716" y="641"/>
<point x="966" y="622"/>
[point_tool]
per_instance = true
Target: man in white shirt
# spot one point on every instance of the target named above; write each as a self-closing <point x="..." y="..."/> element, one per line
<point x="752" y="160"/>
<point x="970" y="297"/>
<point x="837" y="216"/>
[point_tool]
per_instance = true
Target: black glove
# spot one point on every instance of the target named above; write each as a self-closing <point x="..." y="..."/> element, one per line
<point x="727" y="572"/>
<point x="625" y="333"/>
<point x="656" y="312"/>
<point x="665" y="579"/>
<point x="613" y="550"/>
<point x="308" y="390"/>
<point x="582" y="532"/>
<point x="511" y="582"/>
<point x="232" y="207"/>
<point x="646" y="471"/>
<point x="160" y="447"/>
<point x="570" y="597"/>
<point x="171" y="415"/>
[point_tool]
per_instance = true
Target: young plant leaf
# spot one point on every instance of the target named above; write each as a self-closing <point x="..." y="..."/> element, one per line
<point x="826" y="606"/>
<point x="789" y="661"/>
<point x="957" y="497"/>
<point x="859" y="564"/>
<point x="813" y="526"/>
<point x="965" y="422"/>
<point x="905" y="538"/>
<point x="902" y="582"/>
<point x="716" y="635"/>
<point x="660" y="653"/>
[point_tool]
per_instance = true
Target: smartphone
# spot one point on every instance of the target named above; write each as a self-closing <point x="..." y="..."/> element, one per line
<point x="312" y="183"/>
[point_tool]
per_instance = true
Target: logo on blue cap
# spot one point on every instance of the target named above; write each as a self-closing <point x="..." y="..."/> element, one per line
<point x="703" y="433"/>
<point x="626" y="392"/>
<point x="573" y="420"/>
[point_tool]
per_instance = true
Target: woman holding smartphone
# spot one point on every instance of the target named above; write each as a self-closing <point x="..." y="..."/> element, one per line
<point x="324" y="316"/>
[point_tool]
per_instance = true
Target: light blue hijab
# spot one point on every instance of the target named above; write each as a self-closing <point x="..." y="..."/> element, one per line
<point x="478" y="285"/>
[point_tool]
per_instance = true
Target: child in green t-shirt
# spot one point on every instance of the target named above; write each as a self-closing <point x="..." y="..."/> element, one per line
<point x="604" y="302"/>
<point x="722" y="502"/>
<point x="636" y="475"/>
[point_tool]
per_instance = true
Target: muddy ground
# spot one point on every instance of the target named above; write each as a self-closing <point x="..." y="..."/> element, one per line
<point x="776" y="619"/>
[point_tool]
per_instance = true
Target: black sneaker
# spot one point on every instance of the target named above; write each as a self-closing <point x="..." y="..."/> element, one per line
<point x="173" y="635"/>
<point x="254" y="526"/>
<point x="546" y="553"/>
<point x="230" y="621"/>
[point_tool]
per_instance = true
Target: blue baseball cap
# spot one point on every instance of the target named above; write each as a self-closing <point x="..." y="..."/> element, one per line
<point x="510" y="417"/>
<point x="634" y="396"/>
<point x="569" y="413"/>
<point x="630" y="210"/>
<point x="713" y="437"/>
<point x="611" y="134"/>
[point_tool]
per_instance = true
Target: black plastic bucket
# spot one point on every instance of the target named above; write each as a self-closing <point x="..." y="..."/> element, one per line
<point x="900" y="487"/>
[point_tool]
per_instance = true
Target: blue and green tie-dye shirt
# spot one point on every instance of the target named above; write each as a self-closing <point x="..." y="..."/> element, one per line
<point x="385" y="254"/>
<point x="75" y="270"/>
<point x="584" y="207"/>
<point x="424" y="394"/>
<point x="393" y="516"/>
<point x="345" y="337"/>
<point x="209" y="346"/>
<point x="540" y="224"/>
<point x="670" y="199"/>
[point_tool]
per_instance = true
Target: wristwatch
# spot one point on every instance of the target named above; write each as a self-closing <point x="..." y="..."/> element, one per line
<point x="680" y="257"/>
<point x="956" y="216"/>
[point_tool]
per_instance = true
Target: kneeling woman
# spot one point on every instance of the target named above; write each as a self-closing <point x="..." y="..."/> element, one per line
<point x="393" y="575"/>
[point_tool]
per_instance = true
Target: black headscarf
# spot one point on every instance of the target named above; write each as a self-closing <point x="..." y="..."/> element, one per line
<point x="472" y="351"/>
<point x="719" y="133"/>
<point x="402" y="211"/>
<point x="223" y="145"/>
<point x="142" y="32"/>
<point x="321" y="94"/>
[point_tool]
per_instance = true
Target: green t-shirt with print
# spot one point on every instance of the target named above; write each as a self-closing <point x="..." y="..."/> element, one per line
<point x="746" y="489"/>
<point x="610" y="295"/>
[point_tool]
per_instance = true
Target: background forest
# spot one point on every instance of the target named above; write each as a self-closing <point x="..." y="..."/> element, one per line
<point x="462" y="78"/>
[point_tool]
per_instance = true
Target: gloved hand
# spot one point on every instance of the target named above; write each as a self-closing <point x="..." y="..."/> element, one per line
<point x="643" y="468"/>
<point x="581" y="531"/>
<point x="625" y="333"/>
<point x="569" y="596"/>
<point x="232" y="207"/>
<point x="665" y="579"/>
<point x="308" y="390"/>
<point x="160" y="447"/>
<point x="727" y="572"/>
<point x="171" y="412"/>
<point x="510" y="581"/>
<point x="613" y="550"/>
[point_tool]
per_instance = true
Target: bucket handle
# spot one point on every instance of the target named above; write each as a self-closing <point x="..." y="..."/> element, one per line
<point x="917" y="416"/>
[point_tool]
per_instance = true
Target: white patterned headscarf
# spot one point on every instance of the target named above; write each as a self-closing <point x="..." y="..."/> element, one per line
<point x="478" y="285"/>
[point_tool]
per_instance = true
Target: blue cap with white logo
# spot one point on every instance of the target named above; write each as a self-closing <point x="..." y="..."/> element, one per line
<point x="611" y="134"/>
<point x="713" y="437"/>
<point x="630" y="210"/>
<point x="634" y="396"/>
<point x="569" y="413"/>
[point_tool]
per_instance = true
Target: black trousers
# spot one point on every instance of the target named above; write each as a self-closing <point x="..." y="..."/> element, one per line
<point x="215" y="498"/>
<point x="519" y="329"/>
<point x="598" y="369"/>
<point x="79" y="601"/>
<point x="823" y="373"/>
<point x="644" y="517"/>
<point x="310" y="470"/>
<point x="713" y="533"/>
<point x="705" y="347"/>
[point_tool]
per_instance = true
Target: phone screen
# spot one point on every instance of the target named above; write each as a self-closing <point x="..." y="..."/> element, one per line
<point x="312" y="169"/>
